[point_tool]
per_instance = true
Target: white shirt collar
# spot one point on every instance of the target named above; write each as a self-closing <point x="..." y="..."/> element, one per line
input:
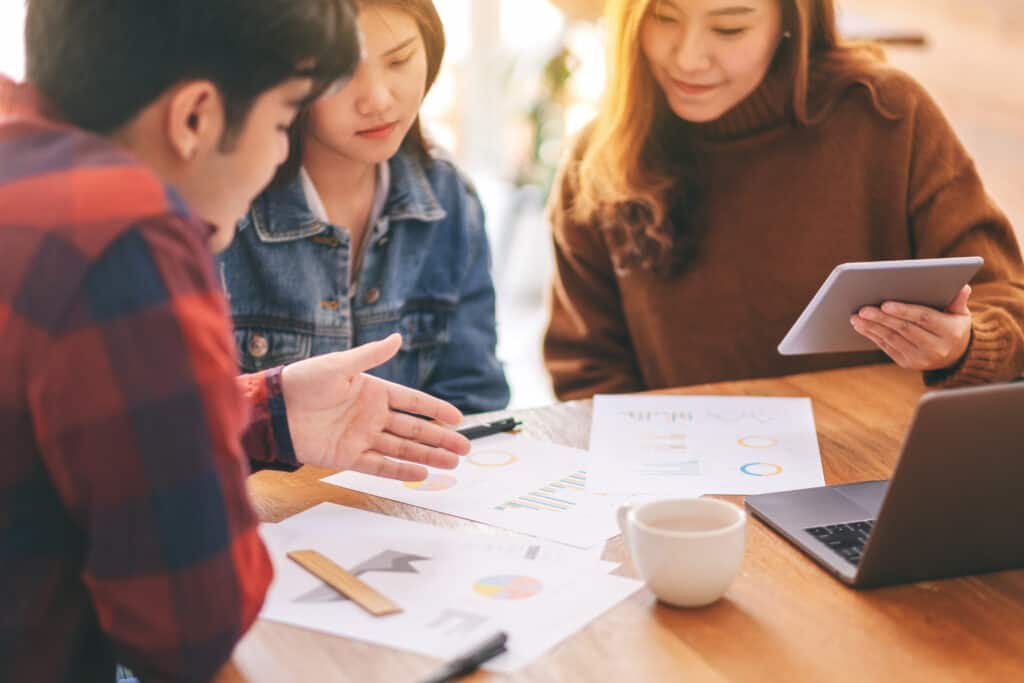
<point x="316" y="205"/>
<point x="313" y="201"/>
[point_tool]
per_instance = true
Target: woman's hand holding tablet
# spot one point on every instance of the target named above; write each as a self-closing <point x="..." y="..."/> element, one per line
<point x="913" y="310"/>
<point x="919" y="337"/>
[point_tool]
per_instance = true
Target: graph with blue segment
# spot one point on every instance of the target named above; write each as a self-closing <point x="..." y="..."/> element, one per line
<point x="558" y="496"/>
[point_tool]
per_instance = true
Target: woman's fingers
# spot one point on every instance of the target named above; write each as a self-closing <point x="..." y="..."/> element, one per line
<point x="918" y="337"/>
<point x="960" y="303"/>
<point x="892" y="343"/>
<point x="909" y="322"/>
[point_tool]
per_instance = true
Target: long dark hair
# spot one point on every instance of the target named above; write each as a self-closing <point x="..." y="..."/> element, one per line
<point x="424" y="13"/>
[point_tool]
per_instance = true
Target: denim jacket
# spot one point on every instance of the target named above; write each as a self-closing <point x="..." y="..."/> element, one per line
<point x="425" y="273"/>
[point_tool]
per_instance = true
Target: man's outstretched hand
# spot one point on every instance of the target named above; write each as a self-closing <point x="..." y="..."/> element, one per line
<point x="343" y="419"/>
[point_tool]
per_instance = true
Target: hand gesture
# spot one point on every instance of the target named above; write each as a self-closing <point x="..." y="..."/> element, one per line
<point x="343" y="419"/>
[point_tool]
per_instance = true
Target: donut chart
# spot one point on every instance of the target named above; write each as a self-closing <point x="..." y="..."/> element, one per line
<point x="758" y="442"/>
<point x="761" y="469"/>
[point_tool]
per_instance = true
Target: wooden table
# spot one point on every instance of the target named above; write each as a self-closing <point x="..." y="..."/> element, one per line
<point x="784" y="619"/>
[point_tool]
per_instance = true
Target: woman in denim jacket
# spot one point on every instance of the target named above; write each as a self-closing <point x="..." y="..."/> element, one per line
<point x="367" y="231"/>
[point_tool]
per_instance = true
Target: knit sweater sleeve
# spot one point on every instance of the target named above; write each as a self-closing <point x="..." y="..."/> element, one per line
<point x="587" y="348"/>
<point x="951" y="215"/>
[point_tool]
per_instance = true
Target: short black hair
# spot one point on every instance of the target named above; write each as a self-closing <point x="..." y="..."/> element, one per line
<point x="101" y="62"/>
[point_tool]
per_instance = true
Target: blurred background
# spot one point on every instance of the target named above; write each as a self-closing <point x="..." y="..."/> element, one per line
<point x="522" y="76"/>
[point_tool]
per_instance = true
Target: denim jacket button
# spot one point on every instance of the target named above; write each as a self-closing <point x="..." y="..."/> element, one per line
<point x="258" y="346"/>
<point x="372" y="296"/>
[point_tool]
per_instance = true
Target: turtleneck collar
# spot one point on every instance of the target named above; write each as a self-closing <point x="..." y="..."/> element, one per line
<point x="766" y="108"/>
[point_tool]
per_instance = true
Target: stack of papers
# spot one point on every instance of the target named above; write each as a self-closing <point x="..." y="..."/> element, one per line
<point x="455" y="587"/>
<point x="459" y="587"/>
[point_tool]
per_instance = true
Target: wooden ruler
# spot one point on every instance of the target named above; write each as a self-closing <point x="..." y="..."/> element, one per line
<point x="349" y="585"/>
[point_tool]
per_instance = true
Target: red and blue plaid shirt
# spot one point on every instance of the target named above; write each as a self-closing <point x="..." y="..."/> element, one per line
<point x="126" y="533"/>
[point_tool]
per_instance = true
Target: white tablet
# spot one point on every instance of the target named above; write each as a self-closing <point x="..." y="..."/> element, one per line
<point x="824" y="326"/>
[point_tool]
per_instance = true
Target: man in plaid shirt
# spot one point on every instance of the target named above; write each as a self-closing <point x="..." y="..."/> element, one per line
<point x="126" y="534"/>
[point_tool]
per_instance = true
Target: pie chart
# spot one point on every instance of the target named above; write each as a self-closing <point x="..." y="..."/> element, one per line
<point x="435" y="482"/>
<point x="508" y="587"/>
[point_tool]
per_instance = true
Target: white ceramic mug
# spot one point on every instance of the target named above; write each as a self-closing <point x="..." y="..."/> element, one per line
<point x="688" y="550"/>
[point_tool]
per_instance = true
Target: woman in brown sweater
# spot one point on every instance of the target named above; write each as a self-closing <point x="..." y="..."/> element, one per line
<point x="742" y="152"/>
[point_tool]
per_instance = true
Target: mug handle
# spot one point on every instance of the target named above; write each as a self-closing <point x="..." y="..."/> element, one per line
<point x="622" y="516"/>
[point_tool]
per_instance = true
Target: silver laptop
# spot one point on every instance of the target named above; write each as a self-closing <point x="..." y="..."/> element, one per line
<point x="954" y="506"/>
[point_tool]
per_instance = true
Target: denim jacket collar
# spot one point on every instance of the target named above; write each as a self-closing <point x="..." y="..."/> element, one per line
<point x="412" y="197"/>
<point x="282" y="214"/>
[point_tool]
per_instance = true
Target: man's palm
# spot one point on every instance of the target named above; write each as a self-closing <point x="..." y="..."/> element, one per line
<point x="343" y="419"/>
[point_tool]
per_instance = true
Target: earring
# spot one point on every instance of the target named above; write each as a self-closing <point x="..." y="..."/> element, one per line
<point x="787" y="35"/>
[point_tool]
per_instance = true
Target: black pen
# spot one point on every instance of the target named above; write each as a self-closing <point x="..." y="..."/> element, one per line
<point x="471" y="661"/>
<point x="497" y="427"/>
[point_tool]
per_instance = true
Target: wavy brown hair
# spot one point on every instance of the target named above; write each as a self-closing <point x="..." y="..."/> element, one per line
<point x="632" y="173"/>
<point x="424" y="13"/>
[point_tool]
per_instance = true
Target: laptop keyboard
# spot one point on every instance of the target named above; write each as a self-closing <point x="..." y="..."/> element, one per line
<point x="846" y="540"/>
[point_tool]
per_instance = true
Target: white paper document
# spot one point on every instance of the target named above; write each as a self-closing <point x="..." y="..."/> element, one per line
<point x="512" y="482"/>
<point x="695" y="445"/>
<point x="455" y="588"/>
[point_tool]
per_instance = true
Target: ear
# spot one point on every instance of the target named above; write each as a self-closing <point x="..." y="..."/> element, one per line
<point x="195" y="119"/>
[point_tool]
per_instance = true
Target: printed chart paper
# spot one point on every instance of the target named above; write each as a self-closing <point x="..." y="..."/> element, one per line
<point x="456" y="588"/>
<point x="512" y="482"/>
<point x="695" y="445"/>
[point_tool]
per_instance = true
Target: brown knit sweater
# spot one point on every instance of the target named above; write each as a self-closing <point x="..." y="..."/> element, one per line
<point x="784" y="205"/>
